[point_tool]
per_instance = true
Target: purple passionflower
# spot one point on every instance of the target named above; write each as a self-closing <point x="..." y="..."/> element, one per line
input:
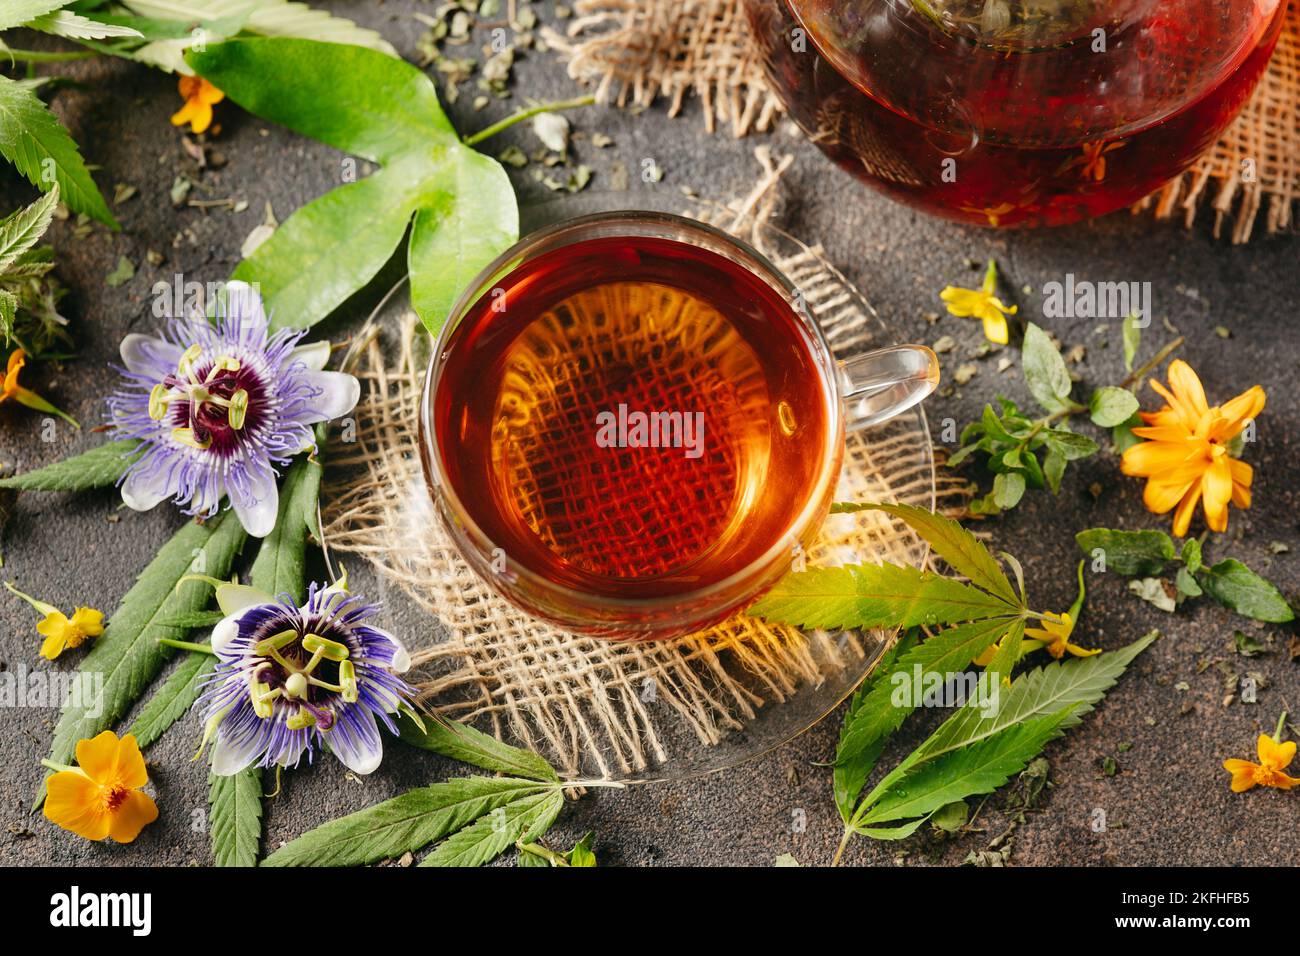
<point x="290" y="679"/>
<point x="218" y="405"/>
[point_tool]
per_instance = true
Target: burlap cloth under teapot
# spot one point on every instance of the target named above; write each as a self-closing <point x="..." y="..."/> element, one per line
<point x="637" y="51"/>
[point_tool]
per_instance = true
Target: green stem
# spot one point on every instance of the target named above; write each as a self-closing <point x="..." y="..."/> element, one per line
<point x="1134" y="377"/>
<point x="522" y="115"/>
<point x="56" y="767"/>
<point x="1277" y="734"/>
<point x="538" y="850"/>
<point x="187" y="646"/>
<point x="42" y="56"/>
<point x="844" y="842"/>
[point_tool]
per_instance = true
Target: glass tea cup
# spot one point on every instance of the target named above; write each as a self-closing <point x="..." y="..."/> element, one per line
<point x="630" y="425"/>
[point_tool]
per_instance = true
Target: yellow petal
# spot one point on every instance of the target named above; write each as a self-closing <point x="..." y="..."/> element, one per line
<point x="52" y="647"/>
<point x="131" y="770"/>
<point x="1186" y="508"/>
<point x="1243" y="774"/>
<point x="1078" y="651"/>
<point x="88" y="621"/>
<point x="962" y="302"/>
<point x="136" y="811"/>
<point x="995" y="328"/>
<point x="1274" y="755"/>
<point x="74" y="802"/>
<point x="1236" y="412"/>
<point x="185" y="114"/>
<point x="1216" y="486"/>
<point x="1187" y="386"/>
<point x="1242" y="476"/>
<point x="1161" y="495"/>
<point x="98" y="757"/>
<point x="1152" y="457"/>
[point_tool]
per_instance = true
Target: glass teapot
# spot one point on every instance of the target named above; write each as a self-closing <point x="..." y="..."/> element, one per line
<point x="1005" y="113"/>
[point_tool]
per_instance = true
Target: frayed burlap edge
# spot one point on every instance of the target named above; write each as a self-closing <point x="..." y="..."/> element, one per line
<point x="589" y="705"/>
<point x="637" y="51"/>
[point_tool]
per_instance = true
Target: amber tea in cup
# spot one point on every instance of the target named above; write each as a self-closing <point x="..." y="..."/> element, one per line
<point x="630" y="426"/>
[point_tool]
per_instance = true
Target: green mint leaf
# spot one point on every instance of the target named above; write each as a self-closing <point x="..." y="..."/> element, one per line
<point x="1112" y="406"/>
<point x="462" y="742"/>
<point x="128" y="654"/>
<point x="24" y="228"/>
<point x="236" y="817"/>
<point x="976" y="769"/>
<point x="963" y="552"/>
<point x="1045" y="371"/>
<point x="1240" y="589"/>
<point x="100" y="467"/>
<point x="1128" y="553"/>
<point x="1070" y="445"/>
<point x="173" y="699"/>
<point x="875" y="595"/>
<point x="32" y="138"/>
<point x="1054" y="468"/>
<point x="1008" y="489"/>
<point x="1191" y="554"/>
<point x="524" y="820"/>
<point x="403" y="824"/>
<point x="1132" y="334"/>
<point x="459" y="202"/>
<point x="279" y="567"/>
<point x="881" y="710"/>
<point x="1122" y="437"/>
<point x="1186" y="583"/>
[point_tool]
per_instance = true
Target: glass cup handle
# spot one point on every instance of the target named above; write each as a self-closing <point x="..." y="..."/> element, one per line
<point x="881" y="384"/>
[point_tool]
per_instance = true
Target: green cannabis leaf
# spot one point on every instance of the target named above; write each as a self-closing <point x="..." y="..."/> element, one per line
<point x="100" y="467"/>
<point x="173" y="700"/>
<point x="236" y="819"/>
<point x="40" y="148"/>
<point x="458" y="203"/>
<point x="128" y="655"/>
<point x="407" y="822"/>
<point x="462" y="742"/>
<point x="1144" y="554"/>
<point x="875" y="595"/>
<point x="521" y="821"/>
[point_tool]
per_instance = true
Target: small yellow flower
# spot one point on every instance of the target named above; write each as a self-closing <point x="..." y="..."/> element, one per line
<point x="1185" y="455"/>
<point x="982" y="304"/>
<point x="1055" y="637"/>
<point x="101" y="796"/>
<point x="10" y="388"/>
<point x="60" y="631"/>
<point x="1274" y="757"/>
<point x="200" y="96"/>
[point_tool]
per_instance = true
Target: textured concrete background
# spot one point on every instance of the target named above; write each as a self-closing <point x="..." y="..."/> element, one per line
<point x="1168" y="802"/>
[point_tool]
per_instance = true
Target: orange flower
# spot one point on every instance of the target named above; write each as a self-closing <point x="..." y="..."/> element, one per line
<point x="10" y="388"/>
<point x="200" y="96"/>
<point x="1186" y="456"/>
<point x="1274" y="757"/>
<point x="101" y="797"/>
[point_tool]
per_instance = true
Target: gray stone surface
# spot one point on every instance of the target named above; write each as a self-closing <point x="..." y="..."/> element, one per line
<point x="1168" y="803"/>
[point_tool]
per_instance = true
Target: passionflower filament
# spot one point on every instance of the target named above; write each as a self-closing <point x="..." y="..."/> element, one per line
<point x="218" y="405"/>
<point x="291" y="680"/>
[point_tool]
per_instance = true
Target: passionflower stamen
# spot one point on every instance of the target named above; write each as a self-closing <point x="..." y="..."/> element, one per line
<point x="290" y="679"/>
<point x="218" y="406"/>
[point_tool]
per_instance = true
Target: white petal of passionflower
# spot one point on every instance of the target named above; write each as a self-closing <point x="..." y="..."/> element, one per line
<point x="314" y="355"/>
<point x="144" y="489"/>
<point x="258" y="514"/>
<point x="229" y="758"/>
<point x="339" y="394"/>
<point x="146" y="355"/>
